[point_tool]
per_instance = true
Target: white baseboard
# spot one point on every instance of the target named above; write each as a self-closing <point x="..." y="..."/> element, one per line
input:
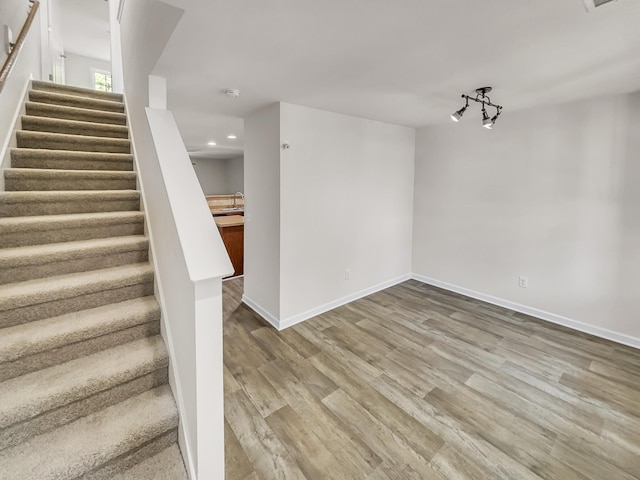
<point x="301" y="317"/>
<point x="262" y="312"/>
<point x="534" y="312"/>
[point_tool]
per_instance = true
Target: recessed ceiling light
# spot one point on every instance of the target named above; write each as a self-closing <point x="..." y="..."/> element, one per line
<point x="231" y="137"/>
<point x="212" y="143"/>
<point x="232" y="92"/>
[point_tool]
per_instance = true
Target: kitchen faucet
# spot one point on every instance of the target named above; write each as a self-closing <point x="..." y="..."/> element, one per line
<point x="235" y="197"/>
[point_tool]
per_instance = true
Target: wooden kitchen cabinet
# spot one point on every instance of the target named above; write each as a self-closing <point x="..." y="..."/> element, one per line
<point x="232" y="233"/>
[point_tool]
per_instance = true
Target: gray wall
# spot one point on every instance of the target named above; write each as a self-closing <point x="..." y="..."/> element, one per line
<point x="220" y="176"/>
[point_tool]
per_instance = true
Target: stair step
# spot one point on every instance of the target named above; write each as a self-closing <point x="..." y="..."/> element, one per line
<point x="73" y="127"/>
<point x="77" y="91"/>
<point x="70" y="160"/>
<point x="20" y="264"/>
<point x="165" y="465"/>
<point x="61" y="141"/>
<point x="38" y="230"/>
<point x="24" y="302"/>
<point x="73" y="113"/>
<point x="62" y="99"/>
<point x="91" y="442"/>
<point x="28" y="396"/>
<point x="17" y="204"/>
<point x="27" y="179"/>
<point x="44" y="343"/>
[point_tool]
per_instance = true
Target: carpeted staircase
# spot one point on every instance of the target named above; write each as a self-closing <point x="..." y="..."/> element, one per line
<point x="83" y="369"/>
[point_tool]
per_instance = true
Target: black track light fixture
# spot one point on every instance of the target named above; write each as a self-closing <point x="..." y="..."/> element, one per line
<point x="483" y="98"/>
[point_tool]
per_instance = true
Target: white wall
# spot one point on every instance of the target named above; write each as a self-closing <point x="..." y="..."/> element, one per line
<point x="14" y="14"/>
<point x="262" y="211"/>
<point x="235" y="174"/>
<point x="346" y="203"/>
<point x="551" y="194"/>
<point x="78" y="69"/>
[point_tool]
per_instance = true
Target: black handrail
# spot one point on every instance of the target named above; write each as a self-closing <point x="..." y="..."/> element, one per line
<point x="16" y="47"/>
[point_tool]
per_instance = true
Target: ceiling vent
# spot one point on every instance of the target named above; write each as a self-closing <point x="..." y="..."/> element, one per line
<point x="591" y="5"/>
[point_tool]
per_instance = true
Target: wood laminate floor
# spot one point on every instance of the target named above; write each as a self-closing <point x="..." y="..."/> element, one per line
<point x="418" y="383"/>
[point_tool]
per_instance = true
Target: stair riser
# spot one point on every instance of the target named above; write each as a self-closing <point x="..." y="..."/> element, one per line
<point x="59" y="208"/>
<point x="90" y="129"/>
<point x="96" y="261"/>
<point x="67" y="160"/>
<point x="69" y="234"/>
<point x="75" y="101"/>
<point x="47" y="421"/>
<point x="76" y="114"/>
<point x="24" y="184"/>
<point x="76" y="144"/>
<point x="75" y="350"/>
<point x="54" y="308"/>
<point x="55" y="164"/>
<point x="76" y="91"/>
<point x="133" y="457"/>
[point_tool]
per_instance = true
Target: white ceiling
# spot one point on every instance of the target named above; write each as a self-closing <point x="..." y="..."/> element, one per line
<point x="404" y="62"/>
<point x="85" y="27"/>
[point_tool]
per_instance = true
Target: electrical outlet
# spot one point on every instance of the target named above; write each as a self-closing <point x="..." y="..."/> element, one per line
<point x="347" y="274"/>
<point x="523" y="281"/>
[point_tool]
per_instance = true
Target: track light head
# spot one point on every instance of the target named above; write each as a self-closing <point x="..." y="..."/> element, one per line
<point x="486" y="121"/>
<point x="458" y="115"/>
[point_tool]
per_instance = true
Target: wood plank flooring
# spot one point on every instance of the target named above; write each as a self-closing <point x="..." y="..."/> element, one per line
<point x="418" y="383"/>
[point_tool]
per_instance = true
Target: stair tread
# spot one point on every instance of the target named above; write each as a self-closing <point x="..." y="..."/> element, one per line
<point x="32" y="394"/>
<point x="53" y="108"/>
<point x="49" y="173"/>
<point x="51" y="195"/>
<point x="70" y="136"/>
<point x="79" y="124"/>
<point x="41" y="335"/>
<point x="62" y="99"/>
<point x="165" y="465"/>
<point x="40" y="85"/>
<point x="41" y="290"/>
<point x="79" y="447"/>
<point x="42" y="221"/>
<point x="102" y="156"/>
<point x="22" y="256"/>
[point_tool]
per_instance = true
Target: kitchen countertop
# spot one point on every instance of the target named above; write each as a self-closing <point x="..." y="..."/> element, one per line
<point x="225" y="211"/>
<point x="229" y="221"/>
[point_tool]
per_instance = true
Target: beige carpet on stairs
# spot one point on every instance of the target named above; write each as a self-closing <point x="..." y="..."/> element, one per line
<point x="83" y="370"/>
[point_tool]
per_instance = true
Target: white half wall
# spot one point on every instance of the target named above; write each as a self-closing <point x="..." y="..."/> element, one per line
<point x="551" y="194"/>
<point x="79" y="69"/>
<point x="188" y="255"/>
<point x="346" y="197"/>
<point x="262" y="210"/>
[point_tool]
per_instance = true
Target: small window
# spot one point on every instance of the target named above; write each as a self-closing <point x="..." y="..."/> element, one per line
<point x="102" y="81"/>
